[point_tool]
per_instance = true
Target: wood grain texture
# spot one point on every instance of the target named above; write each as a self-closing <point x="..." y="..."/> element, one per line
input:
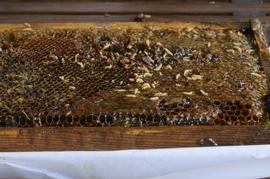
<point x="58" y="18"/>
<point x="62" y="139"/>
<point x="126" y="11"/>
<point x="129" y="7"/>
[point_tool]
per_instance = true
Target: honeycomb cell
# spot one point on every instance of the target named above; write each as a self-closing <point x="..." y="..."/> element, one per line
<point x="227" y="118"/>
<point x="220" y="115"/>
<point x="2" y="121"/>
<point x="230" y="113"/>
<point x="239" y="106"/>
<point x="221" y="122"/>
<point x="233" y="118"/>
<point x="251" y="122"/>
<point x="241" y="118"/>
<point x="233" y="108"/>
<point x="236" y="102"/>
<point x="255" y="118"/>
<point x="245" y="112"/>
<point x="247" y="106"/>
<point x="68" y="119"/>
<point x="56" y="120"/>
<point x="17" y="121"/>
<point x="49" y="119"/>
<point x="226" y="108"/>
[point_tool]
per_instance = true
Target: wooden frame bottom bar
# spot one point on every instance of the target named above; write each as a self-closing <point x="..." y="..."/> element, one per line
<point x="114" y="138"/>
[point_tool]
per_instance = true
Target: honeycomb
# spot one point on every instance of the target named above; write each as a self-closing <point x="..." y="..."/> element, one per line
<point x="130" y="75"/>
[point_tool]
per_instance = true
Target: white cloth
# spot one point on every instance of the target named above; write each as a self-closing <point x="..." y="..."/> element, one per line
<point x="201" y="162"/>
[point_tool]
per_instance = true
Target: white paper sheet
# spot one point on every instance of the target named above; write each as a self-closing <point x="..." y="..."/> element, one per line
<point x="207" y="162"/>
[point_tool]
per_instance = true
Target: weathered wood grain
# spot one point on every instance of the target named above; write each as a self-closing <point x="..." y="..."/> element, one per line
<point x="129" y="7"/>
<point x="64" y="18"/>
<point x="60" y="139"/>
